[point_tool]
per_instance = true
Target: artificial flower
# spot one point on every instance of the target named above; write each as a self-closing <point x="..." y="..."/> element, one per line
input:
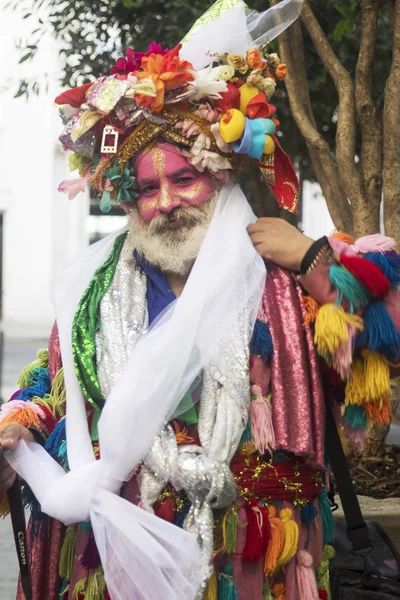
<point x="166" y="71"/>
<point x="208" y="84"/>
<point x="229" y="99"/>
<point x="74" y="97"/>
<point x="125" y="65"/>
<point x="257" y="108"/>
<point x="264" y="84"/>
<point x="73" y="187"/>
<point x="209" y="160"/>
<point x="144" y="87"/>
<point x="274" y="59"/>
<point x="153" y="48"/>
<point x="268" y="87"/>
<point x="76" y="162"/>
<point x="208" y="113"/>
<point x="280" y="71"/>
<point x="188" y="127"/>
<point x="201" y="143"/>
<point x="254" y="59"/>
<point x="223" y="146"/>
<point x="237" y="62"/>
<point x="225" y="72"/>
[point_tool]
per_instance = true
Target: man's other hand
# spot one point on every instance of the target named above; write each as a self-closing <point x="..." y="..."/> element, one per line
<point x="10" y="435"/>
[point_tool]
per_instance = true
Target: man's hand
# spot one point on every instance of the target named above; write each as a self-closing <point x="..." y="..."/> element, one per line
<point x="9" y="438"/>
<point x="280" y="242"/>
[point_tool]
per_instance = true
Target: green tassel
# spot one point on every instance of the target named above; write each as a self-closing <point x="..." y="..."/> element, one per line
<point x="63" y="589"/>
<point x="348" y="288"/>
<point x="355" y="416"/>
<point x="266" y="591"/>
<point x="247" y="435"/>
<point x="231" y="526"/>
<point x="226" y="584"/>
<point x="92" y="587"/>
<point x="323" y="570"/>
<point x="85" y="526"/>
<point x="67" y="553"/>
<point x="328" y="520"/>
<point x="42" y="361"/>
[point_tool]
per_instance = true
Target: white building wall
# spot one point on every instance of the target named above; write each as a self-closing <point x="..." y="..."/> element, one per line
<point x="41" y="227"/>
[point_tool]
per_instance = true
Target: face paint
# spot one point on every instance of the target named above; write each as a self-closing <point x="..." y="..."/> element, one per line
<point x="167" y="181"/>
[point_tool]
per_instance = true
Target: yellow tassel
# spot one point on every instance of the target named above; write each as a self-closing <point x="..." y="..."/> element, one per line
<point x="331" y="328"/>
<point x="381" y="413"/>
<point x="312" y="308"/>
<point x="55" y="401"/>
<point x="96" y="586"/>
<point x="291" y="537"/>
<point x="4" y="506"/>
<point x="377" y="377"/>
<point x="355" y="387"/>
<point x="67" y="553"/>
<point x="42" y="361"/>
<point x="212" y="587"/>
<point x="24" y="416"/>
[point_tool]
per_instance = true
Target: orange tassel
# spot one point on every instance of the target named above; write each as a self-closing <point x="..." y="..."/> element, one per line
<point x="25" y="417"/>
<point x="278" y="591"/>
<point x="276" y="542"/>
<point x="343" y="237"/>
<point x="312" y="307"/>
<point x="182" y="436"/>
<point x="381" y="413"/>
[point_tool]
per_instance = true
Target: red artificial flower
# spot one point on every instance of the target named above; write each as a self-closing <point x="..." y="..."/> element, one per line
<point x="133" y="60"/>
<point x="74" y="97"/>
<point x="229" y="99"/>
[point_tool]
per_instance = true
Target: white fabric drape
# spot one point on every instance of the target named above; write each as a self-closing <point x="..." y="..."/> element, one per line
<point x="144" y="557"/>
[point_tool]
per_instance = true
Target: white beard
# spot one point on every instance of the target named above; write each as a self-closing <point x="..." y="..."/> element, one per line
<point x="172" y="250"/>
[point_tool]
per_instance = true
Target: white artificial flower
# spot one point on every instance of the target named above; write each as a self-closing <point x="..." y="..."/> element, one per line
<point x="223" y="146"/>
<point x="225" y="72"/>
<point x="202" y="142"/>
<point x="274" y="59"/>
<point x="145" y="87"/>
<point x="268" y="87"/>
<point x="210" y="160"/>
<point x="207" y="83"/>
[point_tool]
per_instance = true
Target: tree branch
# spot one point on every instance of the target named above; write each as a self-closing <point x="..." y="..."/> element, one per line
<point x="370" y="119"/>
<point x="346" y="126"/>
<point x="391" y="136"/>
<point x="292" y="52"/>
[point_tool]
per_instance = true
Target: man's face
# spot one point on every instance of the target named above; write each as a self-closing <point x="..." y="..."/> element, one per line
<point x="168" y="184"/>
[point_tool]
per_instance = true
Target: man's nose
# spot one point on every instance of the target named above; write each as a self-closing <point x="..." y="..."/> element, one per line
<point x="168" y="200"/>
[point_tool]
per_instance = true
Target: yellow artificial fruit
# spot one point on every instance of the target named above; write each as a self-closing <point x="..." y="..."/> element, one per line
<point x="232" y="125"/>
<point x="247" y="93"/>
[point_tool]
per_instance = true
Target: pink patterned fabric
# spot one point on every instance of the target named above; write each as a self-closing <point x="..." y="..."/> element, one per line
<point x="297" y="396"/>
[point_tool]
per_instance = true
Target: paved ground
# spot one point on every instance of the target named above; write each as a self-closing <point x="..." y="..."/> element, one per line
<point x="18" y="353"/>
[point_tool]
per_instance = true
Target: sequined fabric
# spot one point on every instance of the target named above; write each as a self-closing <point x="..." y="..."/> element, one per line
<point x="54" y="352"/>
<point x="298" y="401"/>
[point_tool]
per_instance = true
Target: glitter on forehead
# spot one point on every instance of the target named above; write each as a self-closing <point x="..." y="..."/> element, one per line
<point x="158" y="161"/>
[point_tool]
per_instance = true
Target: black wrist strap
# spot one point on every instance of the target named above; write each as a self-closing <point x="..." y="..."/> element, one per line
<point x="356" y="526"/>
<point x="311" y="254"/>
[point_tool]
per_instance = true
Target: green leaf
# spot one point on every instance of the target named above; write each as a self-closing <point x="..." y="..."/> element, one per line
<point x="26" y="15"/>
<point x="24" y="58"/>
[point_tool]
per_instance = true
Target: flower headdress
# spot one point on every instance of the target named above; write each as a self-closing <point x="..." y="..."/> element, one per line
<point x="216" y="106"/>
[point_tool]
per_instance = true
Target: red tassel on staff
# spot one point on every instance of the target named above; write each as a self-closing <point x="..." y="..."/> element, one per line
<point x="258" y="531"/>
<point x="368" y="274"/>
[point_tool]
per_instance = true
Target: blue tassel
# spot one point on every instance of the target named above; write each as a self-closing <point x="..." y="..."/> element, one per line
<point x="40" y="384"/>
<point x="63" y="589"/>
<point x="226" y="584"/>
<point x="389" y="264"/>
<point x="62" y="455"/>
<point x="261" y="341"/>
<point x="348" y="288"/>
<point x="181" y="515"/>
<point x="56" y="438"/>
<point x="328" y="520"/>
<point x="85" y="526"/>
<point x="247" y="435"/>
<point x="355" y="416"/>
<point x="380" y="333"/>
<point x="308" y="513"/>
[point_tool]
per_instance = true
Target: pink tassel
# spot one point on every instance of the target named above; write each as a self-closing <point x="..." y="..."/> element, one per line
<point x="343" y="356"/>
<point x="13" y="405"/>
<point x="341" y="248"/>
<point x="374" y="243"/>
<point x="261" y="421"/>
<point x="306" y="582"/>
<point x="356" y="436"/>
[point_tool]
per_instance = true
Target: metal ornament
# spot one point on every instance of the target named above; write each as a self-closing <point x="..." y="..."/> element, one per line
<point x="109" y="149"/>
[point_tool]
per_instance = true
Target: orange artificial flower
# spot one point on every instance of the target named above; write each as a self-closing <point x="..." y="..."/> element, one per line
<point x="280" y="71"/>
<point x="166" y="71"/>
<point x="254" y="59"/>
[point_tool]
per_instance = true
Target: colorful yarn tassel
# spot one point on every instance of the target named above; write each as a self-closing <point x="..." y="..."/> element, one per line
<point x="328" y="520"/>
<point x="355" y="387"/>
<point x="374" y="243"/>
<point x="308" y="513"/>
<point x="323" y="570"/>
<point x="278" y="591"/>
<point x="247" y="435"/>
<point x="276" y="542"/>
<point x="261" y="342"/>
<point x="381" y="414"/>
<point x="261" y="421"/>
<point x="226" y="584"/>
<point x="343" y="357"/>
<point x="348" y="288"/>
<point x="355" y="416"/>
<point x="56" y="438"/>
<point x="389" y="264"/>
<point x="368" y="274"/>
<point x="291" y="537"/>
<point x="26" y="375"/>
<point x="377" y="376"/>
<point x="26" y="413"/>
<point x="306" y="582"/>
<point x="343" y="237"/>
<point x="258" y="531"/>
<point x="331" y="328"/>
<point x="380" y="333"/>
<point x="92" y="587"/>
<point x="212" y="587"/>
<point x="267" y="595"/>
<point x="67" y="552"/>
<point x="230" y="526"/>
<point x="311" y="307"/>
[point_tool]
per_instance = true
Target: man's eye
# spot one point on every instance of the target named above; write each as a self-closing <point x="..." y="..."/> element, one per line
<point x="184" y="180"/>
<point x="148" y="189"/>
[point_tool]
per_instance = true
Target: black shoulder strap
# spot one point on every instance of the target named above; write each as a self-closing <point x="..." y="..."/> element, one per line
<point x="356" y="526"/>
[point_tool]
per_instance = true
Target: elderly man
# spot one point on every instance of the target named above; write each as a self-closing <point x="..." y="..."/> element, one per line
<point x="180" y="404"/>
